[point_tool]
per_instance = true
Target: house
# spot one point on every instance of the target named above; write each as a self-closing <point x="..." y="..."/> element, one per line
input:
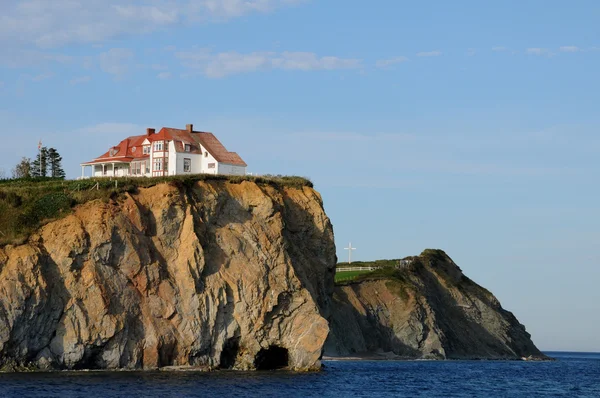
<point x="168" y="152"/>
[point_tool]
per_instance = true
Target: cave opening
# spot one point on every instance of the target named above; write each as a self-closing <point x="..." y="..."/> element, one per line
<point x="272" y="358"/>
<point x="229" y="353"/>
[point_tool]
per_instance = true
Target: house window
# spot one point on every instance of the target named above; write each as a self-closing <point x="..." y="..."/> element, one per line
<point x="187" y="165"/>
<point x="158" y="146"/>
<point x="136" y="168"/>
<point x="146" y="150"/>
<point x="205" y="154"/>
<point x="188" y="148"/>
<point x="158" y="164"/>
<point x="211" y="165"/>
<point x="147" y="166"/>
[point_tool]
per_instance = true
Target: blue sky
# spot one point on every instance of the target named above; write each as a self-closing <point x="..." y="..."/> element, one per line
<point x="469" y="126"/>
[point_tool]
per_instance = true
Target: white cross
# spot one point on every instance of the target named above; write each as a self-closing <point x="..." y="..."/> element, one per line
<point x="350" y="248"/>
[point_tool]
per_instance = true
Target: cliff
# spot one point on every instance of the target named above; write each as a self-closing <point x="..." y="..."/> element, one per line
<point x="213" y="274"/>
<point x="424" y="308"/>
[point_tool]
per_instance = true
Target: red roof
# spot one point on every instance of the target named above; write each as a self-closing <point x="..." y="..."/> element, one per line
<point x="207" y="140"/>
<point x="132" y="148"/>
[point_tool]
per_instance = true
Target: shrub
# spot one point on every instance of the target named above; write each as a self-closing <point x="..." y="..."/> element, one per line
<point x="11" y="198"/>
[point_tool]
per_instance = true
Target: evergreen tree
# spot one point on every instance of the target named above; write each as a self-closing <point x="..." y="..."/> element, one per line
<point x="54" y="161"/>
<point x="22" y="169"/>
<point x="39" y="167"/>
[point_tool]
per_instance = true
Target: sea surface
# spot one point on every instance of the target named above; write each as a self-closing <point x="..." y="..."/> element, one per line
<point x="572" y="375"/>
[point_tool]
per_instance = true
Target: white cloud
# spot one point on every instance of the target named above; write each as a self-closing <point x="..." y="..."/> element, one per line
<point x="499" y="49"/>
<point x="164" y="75"/>
<point x="58" y="22"/>
<point x="116" y="61"/>
<point x="230" y="63"/>
<point x="386" y="63"/>
<point x="429" y="54"/>
<point x="80" y="80"/>
<point x="41" y="77"/>
<point x="18" y="58"/>
<point x="471" y="52"/>
<point x="539" y="51"/>
<point x="569" y="49"/>
<point x="117" y="129"/>
<point x="354" y="137"/>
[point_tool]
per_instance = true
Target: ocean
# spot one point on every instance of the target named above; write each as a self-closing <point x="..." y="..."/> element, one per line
<point x="572" y="375"/>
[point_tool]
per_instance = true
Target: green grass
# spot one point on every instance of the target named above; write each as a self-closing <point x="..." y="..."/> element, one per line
<point x="375" y="263"/>
<point x="26" y="204"/>
<point x="351" y="276"/>
<point x="395" y="279"/>
<point x="347" y="276"/>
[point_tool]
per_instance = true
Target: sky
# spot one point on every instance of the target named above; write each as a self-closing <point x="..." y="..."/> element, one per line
<point x="468" y="126"/>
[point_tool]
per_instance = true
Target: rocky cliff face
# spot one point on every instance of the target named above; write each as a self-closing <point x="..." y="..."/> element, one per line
<point x="217" y="275"/>
<point x="425" y="309"/>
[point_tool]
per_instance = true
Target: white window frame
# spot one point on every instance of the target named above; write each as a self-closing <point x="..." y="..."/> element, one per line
<point x="158" y="146"/>
<point x="146" y="150"/>
<point x="158" y="164"/>
<point x="187" y="162"/>
<point x="187" y="148"/>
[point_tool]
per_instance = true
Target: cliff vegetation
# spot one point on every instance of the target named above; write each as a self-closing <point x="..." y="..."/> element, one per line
<point x="27" y="204"/>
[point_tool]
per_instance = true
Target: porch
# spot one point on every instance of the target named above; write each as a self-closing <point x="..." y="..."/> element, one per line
<point x="108" y="169"/>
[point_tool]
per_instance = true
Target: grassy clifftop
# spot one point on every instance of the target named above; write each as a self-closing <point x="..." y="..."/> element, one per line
<point x="386" y="269"/>
<point x="27" y="204"/>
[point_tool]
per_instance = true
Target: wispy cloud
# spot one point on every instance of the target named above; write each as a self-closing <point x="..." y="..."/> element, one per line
<point x="471" y="52"/>
<point x="230" y="63"/>
<point x="354" y="137"/>
<point x="54" y="23"/>
<point x="569" y="49"/>
<point x="429" y="54"/>
<point x="19" y="58"/>
<point x="499" y="49"/>
<point x="41" y="77"/>
<point x="387" y="63"/>
<point x="118" y="129"/>
<point x="116" y="61"/>
<point x="164" y="75"/>
<point x="539" y="51"/>
<point x="159" y="67"/>
<point x="80" y="80"/>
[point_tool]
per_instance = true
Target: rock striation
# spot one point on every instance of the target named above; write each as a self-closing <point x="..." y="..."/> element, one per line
<point x="426" y="308"/>
<point x="214" y="275"/>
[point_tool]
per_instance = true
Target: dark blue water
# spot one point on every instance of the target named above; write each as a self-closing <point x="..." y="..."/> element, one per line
<point x="574" y="374"/>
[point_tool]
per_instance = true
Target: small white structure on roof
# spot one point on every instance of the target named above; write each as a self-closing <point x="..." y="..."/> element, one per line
<point x="168" y="152"/>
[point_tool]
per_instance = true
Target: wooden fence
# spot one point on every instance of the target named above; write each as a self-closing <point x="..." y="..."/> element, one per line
<point x="350" y="269"/>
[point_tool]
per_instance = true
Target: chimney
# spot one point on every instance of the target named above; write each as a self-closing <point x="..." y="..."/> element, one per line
<point x="189" y="128"/>
<point x="149" y="132"/>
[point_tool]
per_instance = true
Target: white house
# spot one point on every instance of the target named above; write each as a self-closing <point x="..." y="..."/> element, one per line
<point x="168" y="152"/>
